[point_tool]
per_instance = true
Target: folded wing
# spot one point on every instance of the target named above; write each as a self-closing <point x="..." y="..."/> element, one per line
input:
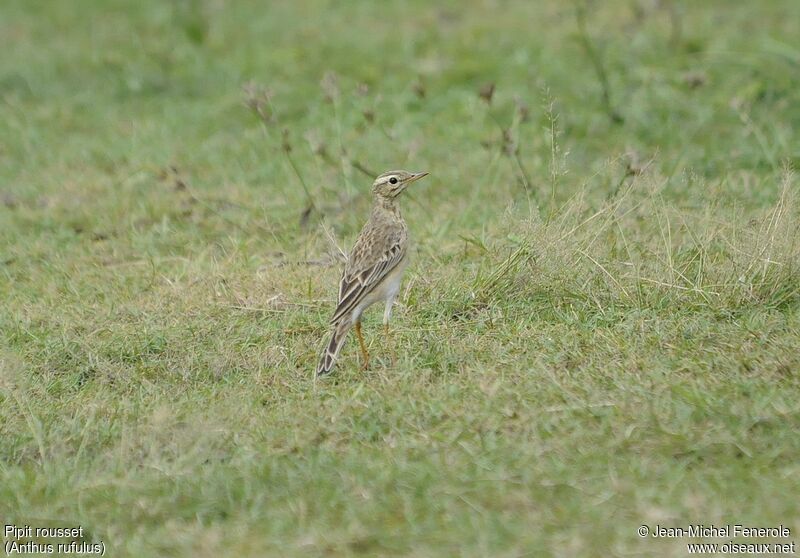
<point x="358" y="281"/>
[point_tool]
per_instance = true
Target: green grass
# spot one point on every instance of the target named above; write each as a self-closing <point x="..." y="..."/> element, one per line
<point x="600" y="327"/>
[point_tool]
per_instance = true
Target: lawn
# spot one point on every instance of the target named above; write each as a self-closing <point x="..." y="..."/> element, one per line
<point x="599" y="329"/>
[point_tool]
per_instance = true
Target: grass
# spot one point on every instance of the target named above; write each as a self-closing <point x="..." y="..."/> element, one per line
<point x="599" y="328"/>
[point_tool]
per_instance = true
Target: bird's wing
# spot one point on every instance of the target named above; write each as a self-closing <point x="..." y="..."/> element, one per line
<point x="358" y="280"/>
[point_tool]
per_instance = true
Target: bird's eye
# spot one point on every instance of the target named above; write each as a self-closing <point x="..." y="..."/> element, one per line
<point x="393" y="180"/>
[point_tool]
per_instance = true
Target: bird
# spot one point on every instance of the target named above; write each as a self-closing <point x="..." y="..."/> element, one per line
<point x="374" y="267"/>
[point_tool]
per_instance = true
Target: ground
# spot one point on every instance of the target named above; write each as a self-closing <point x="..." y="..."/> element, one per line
<point x="599" y="328"/>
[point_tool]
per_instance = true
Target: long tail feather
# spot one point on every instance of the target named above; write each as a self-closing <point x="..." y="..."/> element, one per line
<point x="338" y="337"/>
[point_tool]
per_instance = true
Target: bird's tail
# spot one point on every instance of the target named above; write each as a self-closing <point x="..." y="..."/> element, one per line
<point x="338" y="337"/>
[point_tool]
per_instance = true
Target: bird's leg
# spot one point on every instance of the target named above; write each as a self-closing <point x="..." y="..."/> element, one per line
<point x="364" y="353"/>
<point x="387" y="337"/>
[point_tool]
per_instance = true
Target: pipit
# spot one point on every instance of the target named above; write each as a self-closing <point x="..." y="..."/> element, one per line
<point x="374" y="267"/>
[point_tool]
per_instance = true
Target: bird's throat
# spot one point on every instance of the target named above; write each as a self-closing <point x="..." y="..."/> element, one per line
<point x="388" y="205"/>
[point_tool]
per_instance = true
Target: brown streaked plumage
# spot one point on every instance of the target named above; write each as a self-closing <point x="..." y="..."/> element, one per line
<point x="374" y="267"/>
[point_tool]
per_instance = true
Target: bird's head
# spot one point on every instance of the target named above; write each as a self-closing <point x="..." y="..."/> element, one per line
<point x="390" y="184"/>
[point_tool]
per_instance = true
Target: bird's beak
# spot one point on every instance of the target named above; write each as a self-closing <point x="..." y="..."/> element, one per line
<point x="416" y="176"/>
